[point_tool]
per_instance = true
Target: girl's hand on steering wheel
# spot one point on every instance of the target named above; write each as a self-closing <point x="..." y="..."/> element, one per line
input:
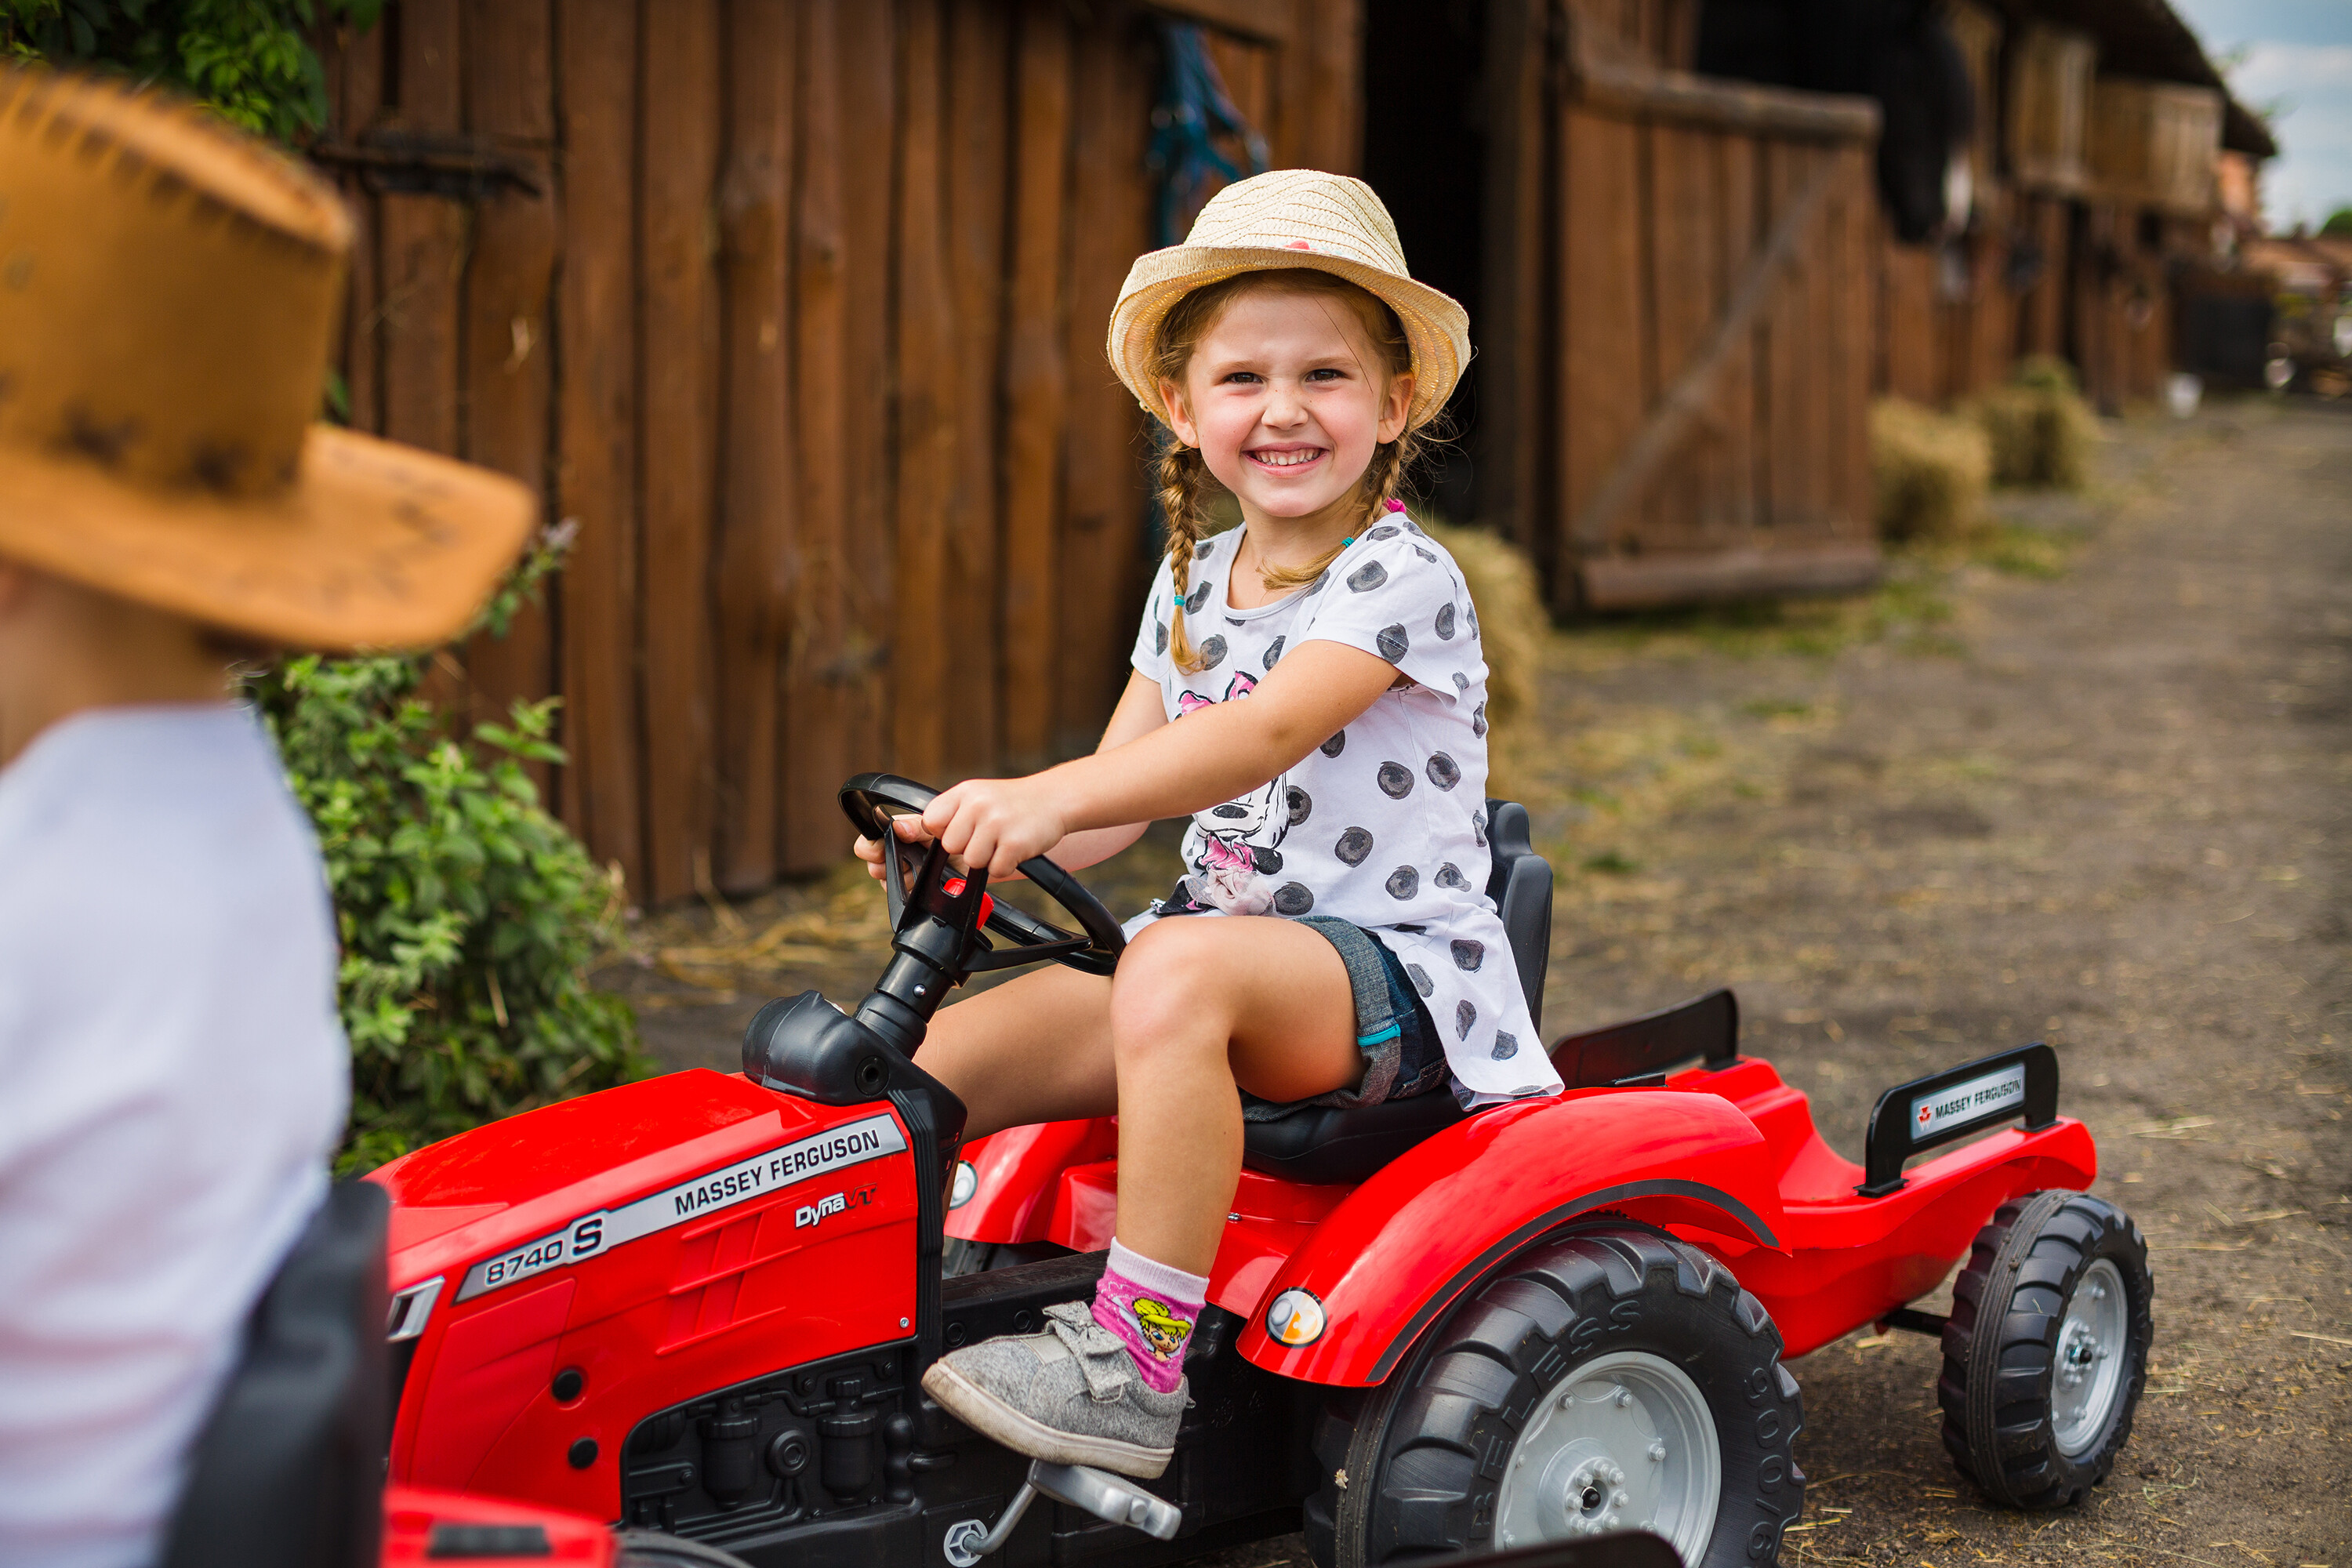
<point x="910" y="828"/>
<point x="995" y="823"/>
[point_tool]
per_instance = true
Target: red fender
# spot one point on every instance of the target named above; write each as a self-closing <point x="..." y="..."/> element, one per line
<point x="1020" y="1172"/>
<point x="1406" y="1244"/>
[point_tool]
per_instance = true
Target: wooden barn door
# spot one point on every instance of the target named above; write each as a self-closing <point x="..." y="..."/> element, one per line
<point x="1690" y="320"/>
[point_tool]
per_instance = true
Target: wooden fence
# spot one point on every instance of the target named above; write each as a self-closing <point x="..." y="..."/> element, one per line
<point x="1680" y="318"/>
<point x="794" y="311"/>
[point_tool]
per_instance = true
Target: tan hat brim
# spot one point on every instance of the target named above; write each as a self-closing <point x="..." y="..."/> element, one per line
<point x="373" y="545"/>
<point x="1435" y="326"/>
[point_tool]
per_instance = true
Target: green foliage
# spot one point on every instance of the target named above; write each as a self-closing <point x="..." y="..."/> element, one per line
<point x="250" y="59"/>
<point x="468" y="916"/>
<point x="2338" y="224"/>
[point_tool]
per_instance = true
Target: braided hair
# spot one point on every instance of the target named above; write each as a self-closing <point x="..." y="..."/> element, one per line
<point x="1187" y="488"/>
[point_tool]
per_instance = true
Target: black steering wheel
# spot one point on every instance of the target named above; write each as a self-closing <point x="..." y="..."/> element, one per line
<point x="868" y="800"/>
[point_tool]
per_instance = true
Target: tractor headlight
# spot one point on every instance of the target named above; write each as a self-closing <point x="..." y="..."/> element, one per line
<point x="966" y="1184"/>
<point x="1295" y="1319"/>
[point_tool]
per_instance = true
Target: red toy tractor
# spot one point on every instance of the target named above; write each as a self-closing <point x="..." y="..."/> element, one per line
<point x="702" y="1304"/>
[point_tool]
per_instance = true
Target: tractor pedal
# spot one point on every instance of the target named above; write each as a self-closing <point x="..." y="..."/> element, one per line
<point x="1114" y="1499"/>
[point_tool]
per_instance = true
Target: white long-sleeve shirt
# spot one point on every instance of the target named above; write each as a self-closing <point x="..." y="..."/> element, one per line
<point x="173" y="1082"/>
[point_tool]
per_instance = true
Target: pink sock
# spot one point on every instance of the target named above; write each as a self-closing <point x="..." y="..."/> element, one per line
<point x="1153" y="1308"/>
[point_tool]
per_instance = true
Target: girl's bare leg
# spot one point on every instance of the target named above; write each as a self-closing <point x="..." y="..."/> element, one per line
<point x="1035" y="1048"/>
<point x="1199" y="1005"/>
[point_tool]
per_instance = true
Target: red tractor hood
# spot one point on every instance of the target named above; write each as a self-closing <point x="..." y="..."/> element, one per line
<point x="518" y="1179"/>
<point x="562" y="1275"/>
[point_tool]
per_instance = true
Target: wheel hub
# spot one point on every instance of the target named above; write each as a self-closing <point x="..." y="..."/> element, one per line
<point x="1625" y="1442"/>
<point x="1596" y="1496"/>
<point x="2087" y="1381"/>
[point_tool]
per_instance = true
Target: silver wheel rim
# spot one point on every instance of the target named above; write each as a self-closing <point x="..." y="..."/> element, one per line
<point x="1625" y="1442"/>
<point x="2089" y="1372"/>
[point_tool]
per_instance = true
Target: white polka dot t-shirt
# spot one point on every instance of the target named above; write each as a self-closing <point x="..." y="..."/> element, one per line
<point x="1384" y="825"/>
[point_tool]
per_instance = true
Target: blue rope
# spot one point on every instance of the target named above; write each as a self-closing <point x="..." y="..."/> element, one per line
<point x="1193" y="109"/>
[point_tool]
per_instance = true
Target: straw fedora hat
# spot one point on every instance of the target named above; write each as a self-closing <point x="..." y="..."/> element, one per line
<point x="1292" y="217"/>
<point x="168" y="290"/>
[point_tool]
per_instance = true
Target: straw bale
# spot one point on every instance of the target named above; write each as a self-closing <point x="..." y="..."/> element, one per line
<point x="1929" y="470"/>
<point x="2039" y="429"/>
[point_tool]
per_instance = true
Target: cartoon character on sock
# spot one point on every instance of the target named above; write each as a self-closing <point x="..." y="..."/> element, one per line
<point x="1163" y="1328"/>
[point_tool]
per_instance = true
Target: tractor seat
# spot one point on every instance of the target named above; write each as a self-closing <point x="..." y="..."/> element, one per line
<point x="1323" y="1144"/>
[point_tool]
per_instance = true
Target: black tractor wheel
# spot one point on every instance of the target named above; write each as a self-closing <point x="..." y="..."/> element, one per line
<point x="1609" y="1378"/>
<point x="2046" y="1349"/>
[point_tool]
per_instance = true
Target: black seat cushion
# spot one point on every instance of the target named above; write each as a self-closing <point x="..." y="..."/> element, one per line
<point x="1323" y="1144"/>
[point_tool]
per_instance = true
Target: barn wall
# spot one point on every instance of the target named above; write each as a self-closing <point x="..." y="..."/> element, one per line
<point x="802" y="336"/>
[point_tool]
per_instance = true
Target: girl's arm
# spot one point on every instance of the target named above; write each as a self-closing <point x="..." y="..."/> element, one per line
<point x="1140" y="712"/>
<point x="1163" y="770"/>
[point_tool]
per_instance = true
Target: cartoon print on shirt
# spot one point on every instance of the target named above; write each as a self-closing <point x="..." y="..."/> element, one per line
<point x="1241" y="841"/>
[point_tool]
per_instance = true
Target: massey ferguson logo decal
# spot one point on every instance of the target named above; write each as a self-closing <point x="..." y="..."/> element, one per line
<point x="839" y="1203"/>
<point x="1999" y="1093"/>
<point x="746" y="1179"/>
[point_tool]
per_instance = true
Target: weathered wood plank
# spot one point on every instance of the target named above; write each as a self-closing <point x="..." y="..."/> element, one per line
<point x="818" y="756"/>
<point x="1686" y="290"/>
<point x="1035" y="385"/>
<point x="677" y="349"/>
<point x="2042" y="330"/>
<point x="1817" y="564"/>
<point x="979" y="127"/>
<point x="1826" y="337"/>
<point x="1600" y="321"/>
<point x="423" y="244"/>
<point x="507" y="360"/>
<point x="1103" y="503"/>
<point x="356" y="80"/>
<point x="921" y="652"/>
<point x="867" y="34"/>
<point x="757" y="476"/>
<point x="1634" y="88"/>
<point x="1784" y="349"/>
<point x="1907" y="284"/>
<point x="596" y="429"/>
<point x="1248" y="70"/>
<point x="1855" y="299"/>
<point x="1513" y="422"/>
<point x="1739" y="237"/>
<point x="1318" y="85"/>
<point x="1267" y="21"/>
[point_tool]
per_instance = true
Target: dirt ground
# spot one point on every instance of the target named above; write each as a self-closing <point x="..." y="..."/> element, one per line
<point x="2083" y="782"/>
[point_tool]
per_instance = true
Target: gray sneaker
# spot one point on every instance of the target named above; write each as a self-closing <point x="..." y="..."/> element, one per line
<point x="1070" y="1396"/>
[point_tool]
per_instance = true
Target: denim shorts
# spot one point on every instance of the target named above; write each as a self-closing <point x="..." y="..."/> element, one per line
<point x="1403" y="1056"/>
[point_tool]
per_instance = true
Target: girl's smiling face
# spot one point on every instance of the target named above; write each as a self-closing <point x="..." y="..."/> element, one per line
<point x="1287" y="399"/>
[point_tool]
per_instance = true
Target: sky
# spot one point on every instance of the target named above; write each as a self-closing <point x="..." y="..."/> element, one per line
<point x="2299" y="51"/>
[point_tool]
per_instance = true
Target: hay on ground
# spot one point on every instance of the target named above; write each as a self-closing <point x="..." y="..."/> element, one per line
<point x="1928" y="470"/>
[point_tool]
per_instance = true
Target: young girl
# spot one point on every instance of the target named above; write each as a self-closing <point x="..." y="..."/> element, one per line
<point x="1308" y="688"/>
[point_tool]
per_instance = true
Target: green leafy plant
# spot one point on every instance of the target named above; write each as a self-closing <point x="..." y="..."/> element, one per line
<point x="250" y="59"/>
<point x="470" y="917"/>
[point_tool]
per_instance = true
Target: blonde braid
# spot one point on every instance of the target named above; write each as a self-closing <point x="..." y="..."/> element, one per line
<point x="1182" y="471"/>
